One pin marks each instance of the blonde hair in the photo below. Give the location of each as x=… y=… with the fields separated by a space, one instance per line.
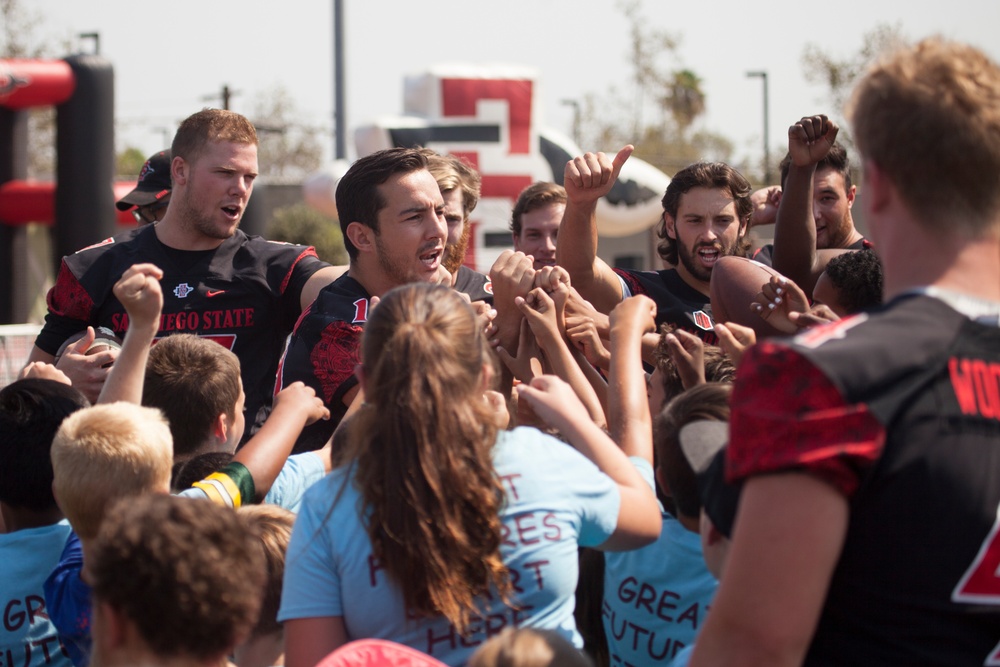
x=929 y=117
x=107 y=452
x=273 y=525
x=422 y=453
x=529 y=647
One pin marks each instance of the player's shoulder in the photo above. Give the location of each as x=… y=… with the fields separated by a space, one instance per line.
x=267 y=248
x=908 y=335
x=122 y=247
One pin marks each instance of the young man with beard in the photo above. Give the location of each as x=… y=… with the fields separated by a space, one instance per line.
x=392 y=216
x=244 y=292
x=706 y=211
x=460 y=187
x=868 y=528
x=813 y=222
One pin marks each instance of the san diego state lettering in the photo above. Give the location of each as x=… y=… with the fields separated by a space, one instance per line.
x=193 y=321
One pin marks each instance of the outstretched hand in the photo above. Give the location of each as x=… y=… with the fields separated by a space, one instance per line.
x=810 y=139
x=590 y=176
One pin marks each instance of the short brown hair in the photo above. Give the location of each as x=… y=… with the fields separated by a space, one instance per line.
x=535 y=196
x=104 y=453
x=451 y=172
x=714 y=176
x=358 y=196
x=718 y=366
x=837 y=159
x=186 y=572
x=192 y=380
x=706 y=401
x=211 y=125
x=929 y=117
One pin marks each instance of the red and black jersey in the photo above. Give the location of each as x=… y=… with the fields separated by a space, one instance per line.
x=245 y=294
x=899 y=409
x=677 y=303
x=323 y=351
x=476 y=285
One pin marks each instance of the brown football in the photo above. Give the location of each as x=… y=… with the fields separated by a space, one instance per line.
x=734 y=286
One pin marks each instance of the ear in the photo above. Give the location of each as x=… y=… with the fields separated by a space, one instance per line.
x=362 y=236
x=110 y=625
x=220 y=429
x=517 y=242
x=851 y=195
x=878 y=188
x=179 y=170
x=486 y=378
x=669 y=226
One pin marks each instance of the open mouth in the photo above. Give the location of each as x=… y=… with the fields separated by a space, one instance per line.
x=432 y=259
x=232 y=212
x=709 y=256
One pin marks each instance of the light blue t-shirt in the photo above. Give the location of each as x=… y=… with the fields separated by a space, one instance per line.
x=655 y=598
x=299 y=473
x=27 y=637
x=556 y=499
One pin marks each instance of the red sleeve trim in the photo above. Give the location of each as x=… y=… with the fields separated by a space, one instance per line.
x=308 y=252
x=788 y=415
x=68 y=298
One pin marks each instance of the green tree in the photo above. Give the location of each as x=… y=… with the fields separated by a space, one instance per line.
x=304 y=225
x=129 y=162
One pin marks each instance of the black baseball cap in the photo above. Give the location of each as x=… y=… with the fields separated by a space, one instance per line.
x=704 y=445
x=154 y=183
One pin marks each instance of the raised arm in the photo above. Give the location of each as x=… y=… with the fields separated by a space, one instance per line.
x=794 y=255
x=295 y=407
x=630 y=423
x=139 y=292
x=588 y=178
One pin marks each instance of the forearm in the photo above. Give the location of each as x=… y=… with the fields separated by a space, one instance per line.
x=594 y=378
x=564 y=365
x=128 y=374
x=266 y=452
x=794 y=229
x=577 y=253
x=630 y=423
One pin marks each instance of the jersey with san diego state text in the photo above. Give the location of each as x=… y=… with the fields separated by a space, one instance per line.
x=677 y=303
x=245 y=294
x=323 y=351
x=899 y=409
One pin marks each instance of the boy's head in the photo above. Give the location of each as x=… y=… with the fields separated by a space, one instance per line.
x=30 y=412
x=196 y=383
x=851 y=283
x=704 y=446
x=529 y=647
x=705 y=402
x=273 y=526
x=180 y=579
x=665 y=382
x=107 y=452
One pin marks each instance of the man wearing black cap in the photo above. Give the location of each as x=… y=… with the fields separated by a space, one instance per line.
x=151 y=195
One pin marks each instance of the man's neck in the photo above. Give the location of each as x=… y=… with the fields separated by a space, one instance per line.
x=692 y=282
x=174 y=233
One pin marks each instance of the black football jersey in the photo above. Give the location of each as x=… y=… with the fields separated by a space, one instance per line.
x=900 y=410
x=245 y=295
x=323 y=350
x=677 y=303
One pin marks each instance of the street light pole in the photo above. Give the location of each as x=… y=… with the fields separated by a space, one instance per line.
x=339 y=113
x=767 y=140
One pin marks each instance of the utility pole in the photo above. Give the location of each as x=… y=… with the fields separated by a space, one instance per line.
x=226 y=95
x=339 y=113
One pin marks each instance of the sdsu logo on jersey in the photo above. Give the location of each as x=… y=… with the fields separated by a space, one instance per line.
x=182 y=290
